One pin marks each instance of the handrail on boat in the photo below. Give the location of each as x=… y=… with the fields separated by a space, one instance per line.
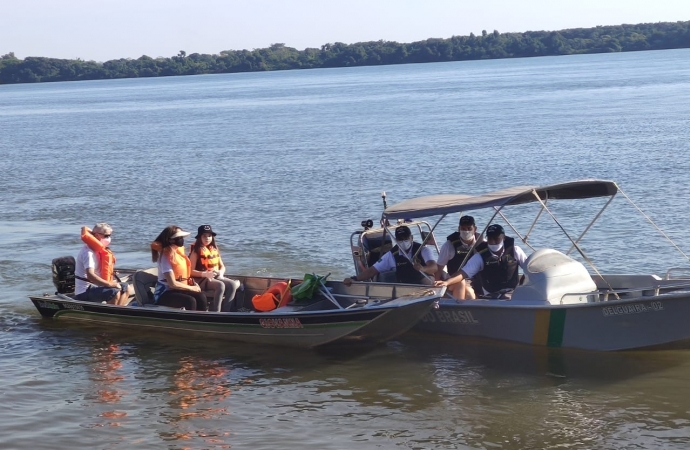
x=685 y=270
x=656 y=288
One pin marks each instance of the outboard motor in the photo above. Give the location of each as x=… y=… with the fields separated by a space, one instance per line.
x=63 y=274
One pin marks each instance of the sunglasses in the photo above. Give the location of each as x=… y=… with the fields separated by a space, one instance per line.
x=107 y=235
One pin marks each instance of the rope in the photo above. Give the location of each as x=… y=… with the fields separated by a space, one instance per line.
x=653 y=224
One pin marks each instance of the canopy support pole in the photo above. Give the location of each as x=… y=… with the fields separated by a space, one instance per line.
x=591 y=223
x=411 y=259
x=541 y=210
x=523 y=239
x=580 y=251
x=654 y=224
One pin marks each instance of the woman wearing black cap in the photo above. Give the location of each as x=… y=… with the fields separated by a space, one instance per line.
x=208 y=270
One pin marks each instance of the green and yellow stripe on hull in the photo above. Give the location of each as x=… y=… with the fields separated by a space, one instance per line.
x=548 y=327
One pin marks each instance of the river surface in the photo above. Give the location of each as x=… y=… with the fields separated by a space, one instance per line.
x=285 y=165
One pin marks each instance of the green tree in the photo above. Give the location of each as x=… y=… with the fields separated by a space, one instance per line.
x=278 y=56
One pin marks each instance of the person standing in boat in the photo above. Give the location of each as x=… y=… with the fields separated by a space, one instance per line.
x=455 y=252
x=400 y=258
x=497 y=259
x=175 y=287
x=208 y=270
x=95 y=269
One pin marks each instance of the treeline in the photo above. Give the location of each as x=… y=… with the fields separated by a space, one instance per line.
x=602 y=39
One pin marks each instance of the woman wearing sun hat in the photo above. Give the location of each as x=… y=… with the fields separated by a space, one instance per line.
x=175 y=287
x=208 y=270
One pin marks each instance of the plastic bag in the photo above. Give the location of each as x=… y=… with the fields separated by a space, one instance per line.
x=305 y=290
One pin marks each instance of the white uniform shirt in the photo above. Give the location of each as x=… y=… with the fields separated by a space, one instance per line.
x=448 y=250
x=85 y=260
x=387 y=262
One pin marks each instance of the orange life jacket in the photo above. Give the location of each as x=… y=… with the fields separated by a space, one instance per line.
x=181 y=265
x=208 y=258
x=106 y=258
x=274 y=297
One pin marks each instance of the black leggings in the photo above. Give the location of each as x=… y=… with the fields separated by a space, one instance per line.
x=191 y=301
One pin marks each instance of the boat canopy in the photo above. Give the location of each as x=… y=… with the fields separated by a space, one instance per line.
x=435 y=205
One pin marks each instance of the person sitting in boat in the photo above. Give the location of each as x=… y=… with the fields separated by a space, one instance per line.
x=175 y=287
x=94 y=269
x=497 y=259
x=457 y=250
x=208 y=270
x=400 y=258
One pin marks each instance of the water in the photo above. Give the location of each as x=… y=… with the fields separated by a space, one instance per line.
x=285 y=165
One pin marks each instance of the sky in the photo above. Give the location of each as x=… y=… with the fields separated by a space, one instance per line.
x=101 y=30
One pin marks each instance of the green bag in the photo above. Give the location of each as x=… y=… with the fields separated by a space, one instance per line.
x=305 y=290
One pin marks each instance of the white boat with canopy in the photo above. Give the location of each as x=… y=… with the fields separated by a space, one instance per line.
x=559 y=303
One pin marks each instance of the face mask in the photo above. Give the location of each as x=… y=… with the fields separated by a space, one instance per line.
x=178 y=241
x=405 y=245
x=467 y=235
x=105 y=241
x=495 y=248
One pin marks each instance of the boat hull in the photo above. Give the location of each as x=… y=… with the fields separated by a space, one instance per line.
x=656 y=321
x=310 y=329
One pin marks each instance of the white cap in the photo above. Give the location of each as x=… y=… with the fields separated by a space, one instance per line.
x=180 y=233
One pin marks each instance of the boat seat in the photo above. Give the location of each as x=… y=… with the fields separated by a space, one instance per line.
x=387 y=277
x=375 y=246
x=144 y=282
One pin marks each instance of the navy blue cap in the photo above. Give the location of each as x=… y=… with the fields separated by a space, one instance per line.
x=402 y=232
x=495 y=230
x=466 y=220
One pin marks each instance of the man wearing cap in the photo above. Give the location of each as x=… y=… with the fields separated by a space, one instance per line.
x=411 y=265
x=497 y=259
x=94 y=276
x=455 y=252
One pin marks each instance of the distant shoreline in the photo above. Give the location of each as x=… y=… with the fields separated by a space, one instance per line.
x=494 y=45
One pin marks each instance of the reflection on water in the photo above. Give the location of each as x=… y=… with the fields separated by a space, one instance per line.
x=199 y=390
x=138 y=389
x=555 y=364
x=516 y=396
x=106 y=378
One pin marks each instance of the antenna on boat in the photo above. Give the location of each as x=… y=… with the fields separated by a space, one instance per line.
x=384 y=222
